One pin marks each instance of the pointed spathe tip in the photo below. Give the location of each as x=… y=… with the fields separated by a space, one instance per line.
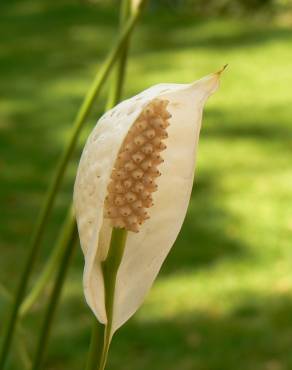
x=210 y=83
x=221 y=70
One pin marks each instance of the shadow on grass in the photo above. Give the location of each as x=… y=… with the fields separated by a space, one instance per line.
x=255 y=335
x=273 y=128
x=238 y=39
x=188 y=31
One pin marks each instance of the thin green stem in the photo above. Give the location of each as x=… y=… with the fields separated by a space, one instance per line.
x=82 y=114
x=96 y=345
x=42 y=281
x=23 y=354
x=70 y=236
x=48 y=271
x=110 y=269
x=119 y=73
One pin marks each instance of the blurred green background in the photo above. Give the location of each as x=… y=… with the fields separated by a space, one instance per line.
x=223 y=298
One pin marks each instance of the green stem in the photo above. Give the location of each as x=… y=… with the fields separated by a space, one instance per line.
x=95 y=350
x=119 y=72
x=23 y=354
x=93 y=91
x=70 y=236
x=110 y=269
x=48 y=271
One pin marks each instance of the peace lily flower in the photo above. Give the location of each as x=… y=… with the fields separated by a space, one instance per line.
x=136 y=173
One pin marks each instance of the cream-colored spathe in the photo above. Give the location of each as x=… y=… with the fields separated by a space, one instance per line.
x=145 y=251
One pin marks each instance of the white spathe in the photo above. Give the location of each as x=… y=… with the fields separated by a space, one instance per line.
x=145 y=251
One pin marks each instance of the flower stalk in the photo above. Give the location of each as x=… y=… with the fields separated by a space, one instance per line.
x=96 y=345
x=23 y=355
x=46 y=274
x=110 y=269
x=119 y=73
x=70 y=237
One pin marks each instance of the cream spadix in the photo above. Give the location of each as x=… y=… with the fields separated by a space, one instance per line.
x=136 y=172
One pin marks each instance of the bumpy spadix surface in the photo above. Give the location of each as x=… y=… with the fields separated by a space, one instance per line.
x=133 y=179
x=114 y=173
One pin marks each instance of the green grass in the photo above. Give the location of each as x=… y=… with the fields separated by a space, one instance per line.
x=223 y=298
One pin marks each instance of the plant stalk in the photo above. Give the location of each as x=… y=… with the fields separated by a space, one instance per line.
x=82 y=114
x=23 y=354
x=48 y=270
x=96 y=345
x=70 y=237
x=119 y=73
x=110 y=270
